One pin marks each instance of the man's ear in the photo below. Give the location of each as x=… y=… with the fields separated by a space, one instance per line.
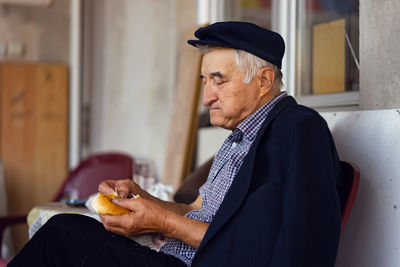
x=266 y=80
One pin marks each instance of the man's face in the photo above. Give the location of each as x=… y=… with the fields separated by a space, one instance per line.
x=230 y=100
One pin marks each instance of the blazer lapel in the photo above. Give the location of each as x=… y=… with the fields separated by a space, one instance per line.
x=240 y=184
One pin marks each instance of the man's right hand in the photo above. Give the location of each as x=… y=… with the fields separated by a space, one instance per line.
x=124 y=188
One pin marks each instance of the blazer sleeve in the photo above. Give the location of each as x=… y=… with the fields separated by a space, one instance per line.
x=309 y=232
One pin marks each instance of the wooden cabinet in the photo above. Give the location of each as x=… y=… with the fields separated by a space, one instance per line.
x=33 y=133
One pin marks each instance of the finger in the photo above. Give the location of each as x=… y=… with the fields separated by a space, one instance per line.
x=131 y=203
x=121 y=231
x=118 y=224
x=113 y=220
x=123 y=187
x=107 y=187
x=117 y=230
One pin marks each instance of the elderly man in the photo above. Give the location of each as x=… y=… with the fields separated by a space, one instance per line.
x=272 y=195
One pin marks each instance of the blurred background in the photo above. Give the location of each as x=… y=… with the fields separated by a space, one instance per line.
x=81 y=77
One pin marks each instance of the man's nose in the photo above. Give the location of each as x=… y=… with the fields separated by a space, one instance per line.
x=209 y=96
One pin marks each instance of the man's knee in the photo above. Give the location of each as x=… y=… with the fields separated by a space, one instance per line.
x=70 y=220
x=71 y=223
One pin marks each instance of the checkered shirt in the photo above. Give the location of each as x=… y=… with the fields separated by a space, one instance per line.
x=225 y=166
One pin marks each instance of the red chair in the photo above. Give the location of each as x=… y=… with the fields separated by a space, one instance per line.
x=83 y=182
x=351 y=174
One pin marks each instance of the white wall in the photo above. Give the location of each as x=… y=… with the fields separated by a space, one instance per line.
x=134 y=68
x=371 y=140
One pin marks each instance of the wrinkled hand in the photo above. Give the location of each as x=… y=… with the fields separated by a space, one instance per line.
x=124 y=188
x=146 y=217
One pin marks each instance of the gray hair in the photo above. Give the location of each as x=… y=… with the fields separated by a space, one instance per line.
x=249 y=65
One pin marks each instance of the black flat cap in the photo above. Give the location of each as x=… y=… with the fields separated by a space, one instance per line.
x=249 y=37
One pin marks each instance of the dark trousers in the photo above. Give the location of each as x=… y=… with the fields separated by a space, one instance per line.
x=77 y=240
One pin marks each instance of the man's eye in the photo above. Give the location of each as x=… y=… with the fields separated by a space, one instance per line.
x=219 y=82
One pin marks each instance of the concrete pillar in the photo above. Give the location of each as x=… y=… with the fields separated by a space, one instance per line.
x=379 y=54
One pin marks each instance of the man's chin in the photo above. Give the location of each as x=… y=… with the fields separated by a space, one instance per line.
x=219 y=123
x=215 y=122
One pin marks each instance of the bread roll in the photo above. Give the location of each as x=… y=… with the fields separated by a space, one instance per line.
x=103 y=204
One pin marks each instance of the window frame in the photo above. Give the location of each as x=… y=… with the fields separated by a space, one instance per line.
x=286 y=21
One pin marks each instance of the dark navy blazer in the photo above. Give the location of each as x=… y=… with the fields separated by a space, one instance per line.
x=284 y=206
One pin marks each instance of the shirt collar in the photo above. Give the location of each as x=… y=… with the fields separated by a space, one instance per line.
x=249 y=127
